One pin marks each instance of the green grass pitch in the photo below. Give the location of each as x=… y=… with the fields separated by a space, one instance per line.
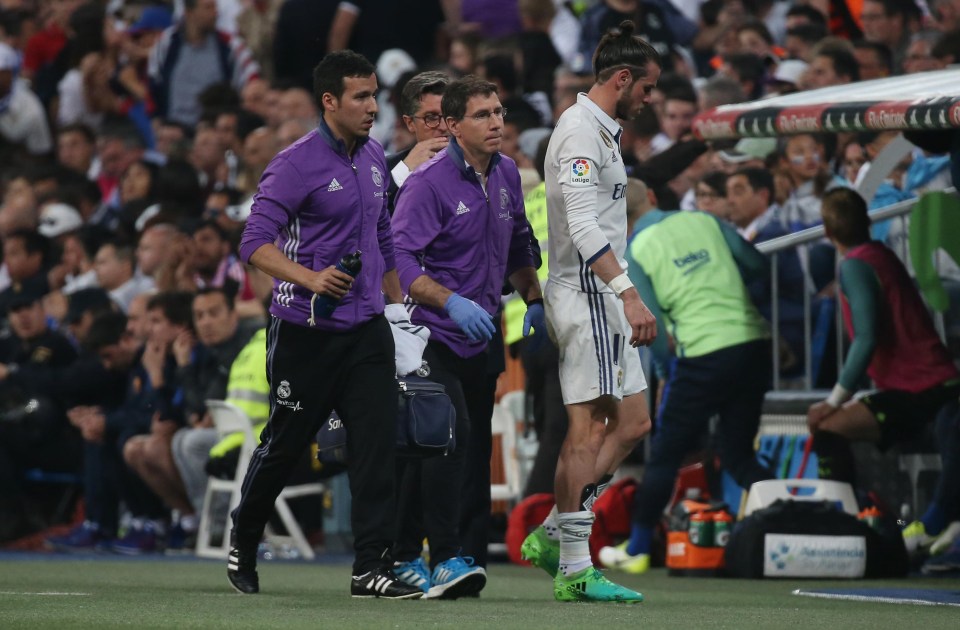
x=95 y=593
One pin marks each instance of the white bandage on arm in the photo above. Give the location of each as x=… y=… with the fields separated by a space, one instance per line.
x=620 y=284
x=581 y=206
x=838 y=396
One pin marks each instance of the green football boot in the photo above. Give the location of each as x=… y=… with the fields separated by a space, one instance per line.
x=541 y=551
x=589 y=585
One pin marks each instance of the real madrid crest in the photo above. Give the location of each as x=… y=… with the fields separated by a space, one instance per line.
x=504 y=198
x=284 y=390
x=377 y=176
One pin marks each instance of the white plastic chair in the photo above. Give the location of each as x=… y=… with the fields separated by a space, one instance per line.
x=504 y=424
x=227 y=419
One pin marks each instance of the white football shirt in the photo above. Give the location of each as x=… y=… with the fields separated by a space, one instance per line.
x=586 y=195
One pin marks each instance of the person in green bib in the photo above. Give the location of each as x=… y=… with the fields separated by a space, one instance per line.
x=691 y=270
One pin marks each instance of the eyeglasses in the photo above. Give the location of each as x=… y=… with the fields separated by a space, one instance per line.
x=706 y=194
x=430 y=121
x=484 y=116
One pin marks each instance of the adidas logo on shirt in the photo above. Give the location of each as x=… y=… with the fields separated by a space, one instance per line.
x=334 y=186
x=462 y=209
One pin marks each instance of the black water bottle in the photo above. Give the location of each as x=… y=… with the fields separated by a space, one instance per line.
x=350 y=265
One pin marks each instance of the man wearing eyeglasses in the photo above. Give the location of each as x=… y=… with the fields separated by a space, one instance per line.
x=460 y=230
x=594 y=312
x=420 y=109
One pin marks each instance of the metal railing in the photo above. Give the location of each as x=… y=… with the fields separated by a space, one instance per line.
x=805 y=238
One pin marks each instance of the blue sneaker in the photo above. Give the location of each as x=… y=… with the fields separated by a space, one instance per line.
x=456 y=577
x=944 y=564
x=83 y=537
x=138 y=540
x=414 y=573
x=180 y=541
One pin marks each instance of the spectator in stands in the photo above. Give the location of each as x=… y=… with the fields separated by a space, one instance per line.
x=193 y=55
x=202 y=370
x=755 y=38
x=154 y=248
x=651 y=21
x=676 y=118
x=290 y=131
x=874 y=60
x=750 y=194
x=719 y=90
x=259 y=147
x=301 y=39
x=208 y=158
x=296 y=103
x=833 y=63
x=804 y=158
x=34 y=431
x=919 y=55
x=114 y=264
x=24 y=257
x=895 y=343
x=99 y=421
x=711 y=195
x=723 y=357
x=890 y=22
x=22 y=118
x=83 y=307
x=76 y=148
x=802 y=39
x=215 y=266
x=119 y=145
x=172 y=138
x=746 y=69
x=420 y=112
x=154 y=409
x=79 y=250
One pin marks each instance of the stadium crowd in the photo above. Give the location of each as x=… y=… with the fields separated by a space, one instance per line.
x=134 y=133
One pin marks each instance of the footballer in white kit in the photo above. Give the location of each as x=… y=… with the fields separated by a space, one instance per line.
x=586 y=189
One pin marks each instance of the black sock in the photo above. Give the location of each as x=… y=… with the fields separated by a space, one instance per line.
x=834 y=457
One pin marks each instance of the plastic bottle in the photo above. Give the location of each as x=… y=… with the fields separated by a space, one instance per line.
x=722 y=524
x=701 y=529
x=871 y=516
x=350 y=265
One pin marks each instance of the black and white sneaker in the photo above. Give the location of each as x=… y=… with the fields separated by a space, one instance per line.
x=384 y=584
x=242 y=571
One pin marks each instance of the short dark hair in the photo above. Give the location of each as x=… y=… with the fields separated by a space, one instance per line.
x=33 y=241
x=758 y=27
x=883 y=52
x=80 y=128
x=177 y=306
x=845 y=216
x=907 y=8
x=455 y=97
x=844 y=63
x=676 y=87
x=500 y=67
x=620 y=48
x=336 y=66
x=810 y=33
x=210 y=224
x=419 y=85
x=228 y=291
x=758 y=178
x=808 y=12
x=106 y=329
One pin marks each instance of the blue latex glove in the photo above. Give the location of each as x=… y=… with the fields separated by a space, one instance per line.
x=535 y=318
x=472 y=320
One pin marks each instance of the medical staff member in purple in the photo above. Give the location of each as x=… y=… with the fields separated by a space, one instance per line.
x=320 y=199
x=459 y=231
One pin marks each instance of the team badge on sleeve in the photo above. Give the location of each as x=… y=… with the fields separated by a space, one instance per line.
x=580 y=171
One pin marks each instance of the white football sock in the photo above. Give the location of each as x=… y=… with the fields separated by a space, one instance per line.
x=575 y=541
x=551 y=526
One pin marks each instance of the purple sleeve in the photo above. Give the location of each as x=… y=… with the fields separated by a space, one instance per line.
x=416 y=223
x=521 y=252
x=385 y=236
x=275 y=205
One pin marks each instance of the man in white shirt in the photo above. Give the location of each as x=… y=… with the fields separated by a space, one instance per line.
x=22 y=119
x=593 y=310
